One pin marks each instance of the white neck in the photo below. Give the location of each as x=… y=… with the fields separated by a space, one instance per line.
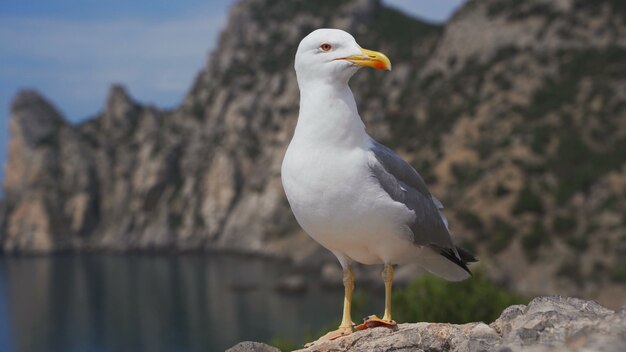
x=328 y=116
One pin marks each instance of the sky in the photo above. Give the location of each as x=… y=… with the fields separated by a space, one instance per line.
x=71 y=51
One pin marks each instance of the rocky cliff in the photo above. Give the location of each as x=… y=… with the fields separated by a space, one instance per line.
x=546 y=324
x=514 y=112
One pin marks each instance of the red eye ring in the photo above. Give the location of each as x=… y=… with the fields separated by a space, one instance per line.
x=326 y=47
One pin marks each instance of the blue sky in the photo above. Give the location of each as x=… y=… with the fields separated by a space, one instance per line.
x=72 y=50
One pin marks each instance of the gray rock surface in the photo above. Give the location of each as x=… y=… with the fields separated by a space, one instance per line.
x=249 y=346
x=545 y=324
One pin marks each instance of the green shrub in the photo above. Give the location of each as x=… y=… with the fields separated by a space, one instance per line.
x=534 y=239
x=285 y=344
x=619 y=273
x=468 y=245
x=563 y=224
x=501 y=235
x=197 y=111
x=578 y=243
x=540 y=138
x=391 y=23
x=465 y=173
x=433 y=299
x=175 y=220
x=551 y=96
x=502 y=190
x=470 y=220
x=571 y=270
x=527 y=201
x=578 y=166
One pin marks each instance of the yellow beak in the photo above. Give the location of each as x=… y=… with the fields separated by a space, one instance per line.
x=371 y=58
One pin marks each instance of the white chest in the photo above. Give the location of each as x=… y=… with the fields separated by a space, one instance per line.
x=330 y=193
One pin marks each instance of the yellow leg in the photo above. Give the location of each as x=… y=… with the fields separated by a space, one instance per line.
x=348 y=284
x=388 y=279
x=374 y=321
x=345 y=328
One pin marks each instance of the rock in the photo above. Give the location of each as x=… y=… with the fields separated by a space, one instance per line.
x=248 y=346
x=545 y=324
x=561 y=323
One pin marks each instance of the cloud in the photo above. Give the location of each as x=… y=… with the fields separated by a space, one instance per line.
x=70 y=59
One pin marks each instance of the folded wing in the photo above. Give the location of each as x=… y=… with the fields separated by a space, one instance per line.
x=405 y=185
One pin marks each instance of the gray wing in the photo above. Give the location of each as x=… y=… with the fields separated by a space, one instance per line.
x=405 y=185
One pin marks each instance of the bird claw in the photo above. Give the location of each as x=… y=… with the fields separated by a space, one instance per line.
x=373 y=321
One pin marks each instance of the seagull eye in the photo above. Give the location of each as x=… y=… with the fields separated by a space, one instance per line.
x=326 y=47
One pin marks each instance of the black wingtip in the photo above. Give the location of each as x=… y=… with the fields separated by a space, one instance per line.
x=465 y=257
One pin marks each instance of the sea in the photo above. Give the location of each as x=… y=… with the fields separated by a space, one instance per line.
x=155 y=302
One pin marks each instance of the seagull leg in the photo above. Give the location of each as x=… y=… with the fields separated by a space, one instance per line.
x=388 y=278
x=374 y=321
x=348 y=284
x=345 y=328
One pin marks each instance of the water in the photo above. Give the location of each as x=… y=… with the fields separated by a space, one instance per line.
x=193 y=302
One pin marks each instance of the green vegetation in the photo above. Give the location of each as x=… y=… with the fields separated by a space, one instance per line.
x=573 y=157
x=578 y=242
x=501 y=234
x=575 y=163
x=502 y=81
x=612 y=202
x=433 y=299
x=534 y=240
x=531 y=168
x=563 y=225
x=617 y=6
x=50 y=140
x=578 y=166
x=527 y=201
x=485 y=147
x=502 y=190
x=517 y=10
x=175 y=220
x=276 y=10
x=499 y=7
x=286 y=344
x=391 y=23
x=441 y=114
x=575 y=65
x=234 y=72
x=197 y=111
x=619 y=273
x=571 y=270
x=470 y=220
x=540 y=138
x=465 y=173
x=551 y=96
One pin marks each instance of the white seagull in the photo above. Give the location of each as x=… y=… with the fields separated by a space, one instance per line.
x=351 y=194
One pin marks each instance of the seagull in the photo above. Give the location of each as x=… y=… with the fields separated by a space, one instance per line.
x=350 y=193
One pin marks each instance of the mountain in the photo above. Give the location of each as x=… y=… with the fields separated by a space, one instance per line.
x=513 y=111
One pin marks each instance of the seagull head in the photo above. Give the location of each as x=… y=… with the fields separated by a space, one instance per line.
x=333 y=56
